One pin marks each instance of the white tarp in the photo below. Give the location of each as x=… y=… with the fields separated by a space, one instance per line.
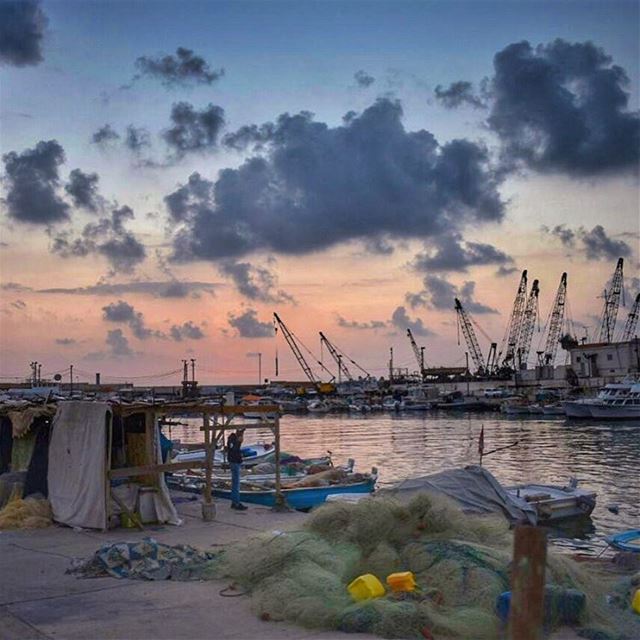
x=77 y=464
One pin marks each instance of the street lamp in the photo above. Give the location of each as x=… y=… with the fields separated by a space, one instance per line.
x=259 y=356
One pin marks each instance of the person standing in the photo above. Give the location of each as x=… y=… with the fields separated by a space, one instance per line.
x=234 y=457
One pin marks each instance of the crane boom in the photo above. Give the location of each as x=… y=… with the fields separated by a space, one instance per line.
x=291 y=341
x=417 y=352
x=528 y=325
x=554 y=324
x=342 y=367
x=632 y=321
x=515 y=323
x=470 y=336
x=611 y=304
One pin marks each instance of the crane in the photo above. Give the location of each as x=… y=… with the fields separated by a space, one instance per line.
x=464 y=321
x=611 y=304
x=342 y=367
x=514 y=327
x=554 y=324
x=529 y=318
x=418 y=352
x=632 y=321
x=291 y=341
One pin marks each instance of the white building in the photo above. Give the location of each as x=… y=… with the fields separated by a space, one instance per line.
x=606 y=360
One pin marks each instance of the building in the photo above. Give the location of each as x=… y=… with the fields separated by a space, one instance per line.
x=606 y=360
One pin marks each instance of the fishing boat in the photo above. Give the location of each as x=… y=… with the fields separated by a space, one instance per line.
x=318 y=406
x=553 y=502
x=626 y=540
x=251 y=454
x=261 y=415
x=582 y=407
x=620 y=407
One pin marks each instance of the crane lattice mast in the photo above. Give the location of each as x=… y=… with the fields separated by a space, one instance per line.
x=611 y=304
x=417 y=352
x=342 y=367
x=515 y=323
x=632 y=321
x=529 y=318
x=470 y=336
x=554 y=324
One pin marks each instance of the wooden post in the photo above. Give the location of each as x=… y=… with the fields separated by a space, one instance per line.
x=527 y=583
x=208 y=508
x=280 y=504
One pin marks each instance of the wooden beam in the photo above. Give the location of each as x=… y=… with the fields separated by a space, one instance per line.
x=156 y=468
x=526 y=611
x=209 y=459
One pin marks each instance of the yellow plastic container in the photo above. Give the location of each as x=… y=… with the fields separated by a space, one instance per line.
x=403 y=581
x=365 y=587
x=635 y=603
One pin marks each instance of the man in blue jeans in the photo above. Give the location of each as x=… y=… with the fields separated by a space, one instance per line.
x=234 y=457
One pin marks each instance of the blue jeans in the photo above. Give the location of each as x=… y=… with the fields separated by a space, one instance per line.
x=235 y=482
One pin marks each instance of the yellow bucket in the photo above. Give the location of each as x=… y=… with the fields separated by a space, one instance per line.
x=366 y=587
x=403 y=581
x=635 y=603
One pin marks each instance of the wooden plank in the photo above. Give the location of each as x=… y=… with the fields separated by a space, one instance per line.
x=156 y=468
x=527 y=583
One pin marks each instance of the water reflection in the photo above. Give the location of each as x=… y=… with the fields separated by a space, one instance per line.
x=604 y=457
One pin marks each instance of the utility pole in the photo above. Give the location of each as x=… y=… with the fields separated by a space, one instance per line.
x=193 y=369
x=391 y=364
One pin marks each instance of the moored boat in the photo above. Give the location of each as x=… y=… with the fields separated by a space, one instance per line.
x=626 y=540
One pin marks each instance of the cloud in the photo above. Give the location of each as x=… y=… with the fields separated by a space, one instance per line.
x=118 y=344
x=452 y=255
x=32 y=180
x=186 y=331
x=596 y=244
x=458 y=94
x=562 y=107
x=180 y=69
x=439 y=293
x=503 y=272
x=248 y=326
x=66 y=342
x=400 y=320
x=14 y=286
x=353 y=324
x=136 y=138
x=107 y=237
x=123 y=312
x=363 y=79
x=250 y=135
x=83 y=189
x=22 y=27
x=193 y=130
x=104 y=136
x=169 y=289
x=384 y=181
x=255 y=283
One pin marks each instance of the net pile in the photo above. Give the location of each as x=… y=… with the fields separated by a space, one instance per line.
x=461 y=564
x=33 y=512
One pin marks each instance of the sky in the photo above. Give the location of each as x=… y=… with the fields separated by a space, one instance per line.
x=174 y=172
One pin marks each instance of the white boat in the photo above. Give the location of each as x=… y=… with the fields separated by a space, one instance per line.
x=553 y=502
x=257 y=415
x=582 y=408
x=318 y=406
x=251 y=454
x=391 y=404
x=619 y=407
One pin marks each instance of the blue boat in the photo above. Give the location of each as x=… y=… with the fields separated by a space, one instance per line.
x=303 y=498
x=626 y=540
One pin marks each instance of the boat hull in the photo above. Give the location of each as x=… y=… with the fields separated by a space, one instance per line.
x=554 y=503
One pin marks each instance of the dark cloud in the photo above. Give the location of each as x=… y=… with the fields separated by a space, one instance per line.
x=32 y=181
x=83 y=189
x=183 y=68
x=503 y=272
x=439 y=293
x=186 y=331
x=107 y=237
x=400 y=320
x=123 y=312
x=66 y=342
x=170 y=289
x=255 y=283
x=596 y=244
x=363 y=79
x=22 y=27
x=105 y=135
x=317 y=186
x=193 y=130
x=458 y=94
x=14 y=286
x=137 y=138
x=380 y=246
x=354 y=324
x=451 y=255
x=562 y=107
x=249 y=136
x=118 y=344
x=248 y=325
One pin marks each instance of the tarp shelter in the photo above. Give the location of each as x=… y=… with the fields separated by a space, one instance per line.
x=89 y=441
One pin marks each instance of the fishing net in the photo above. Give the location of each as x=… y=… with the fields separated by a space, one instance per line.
x=33 y=512
x=461 y=564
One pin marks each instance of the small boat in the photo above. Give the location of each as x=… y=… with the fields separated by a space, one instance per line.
x=318 y=406
x=251 y=454
x=626 y=540
x=553 y=502
x=555 y=409
x=257 y=415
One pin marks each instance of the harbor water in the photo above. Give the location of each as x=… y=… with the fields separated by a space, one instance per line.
x=604 y=457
